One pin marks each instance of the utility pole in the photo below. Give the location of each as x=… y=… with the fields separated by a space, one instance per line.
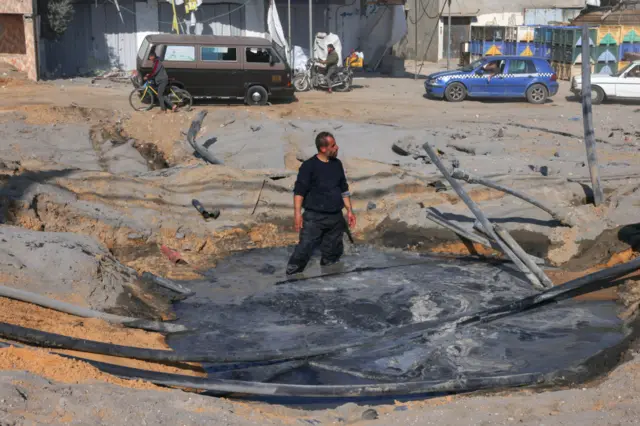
x=290 y=52
x=415 y=21
x=449 y=38
x=310 y=29
x=587 y=118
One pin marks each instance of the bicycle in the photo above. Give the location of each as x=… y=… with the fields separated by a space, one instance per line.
x=144 y=97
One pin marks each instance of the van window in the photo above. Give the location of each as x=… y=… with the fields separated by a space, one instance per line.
x=143 y=49
x=211 y=53
x=261 y=55
x=180 y=53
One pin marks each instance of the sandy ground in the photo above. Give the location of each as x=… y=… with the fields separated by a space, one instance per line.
x=81 y=173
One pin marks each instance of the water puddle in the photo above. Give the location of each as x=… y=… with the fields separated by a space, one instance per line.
x=247 y=305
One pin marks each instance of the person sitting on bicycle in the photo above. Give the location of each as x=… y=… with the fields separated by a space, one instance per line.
x=332 y=64
x=159 y=74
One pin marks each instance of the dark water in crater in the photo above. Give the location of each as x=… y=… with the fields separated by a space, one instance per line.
x=241 y=309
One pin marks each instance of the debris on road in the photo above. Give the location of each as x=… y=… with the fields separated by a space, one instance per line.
x=173 y=255
x=205 y=214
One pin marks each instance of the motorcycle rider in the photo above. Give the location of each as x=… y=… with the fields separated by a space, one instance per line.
x=332 y=65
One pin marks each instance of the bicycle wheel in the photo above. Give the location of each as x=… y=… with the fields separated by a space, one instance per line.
x=141 y=100
x=182 y=98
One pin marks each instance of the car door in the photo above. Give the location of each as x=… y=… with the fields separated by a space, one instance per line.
x=628 y=84
x=520 y=74
x=496 y=85
x=220 y=71
x=262 y=66
x=478 y=82
x=180 y=63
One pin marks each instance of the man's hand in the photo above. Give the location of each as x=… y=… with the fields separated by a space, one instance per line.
x=297 y=221
x=351 y=219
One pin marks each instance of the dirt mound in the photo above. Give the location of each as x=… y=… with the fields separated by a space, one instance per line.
x=60 y=369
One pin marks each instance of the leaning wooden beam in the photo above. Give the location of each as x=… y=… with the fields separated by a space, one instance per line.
x=469 y=178
x=471 y=236
x=481 y=217
x=458 y=230
x=526 y=259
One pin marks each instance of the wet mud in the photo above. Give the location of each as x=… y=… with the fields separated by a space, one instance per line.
x=246 y=304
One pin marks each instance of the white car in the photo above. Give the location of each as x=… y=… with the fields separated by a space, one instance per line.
x=624 y=84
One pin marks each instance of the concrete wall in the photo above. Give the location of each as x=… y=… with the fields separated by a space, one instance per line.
x=23 y=7
x=17 y=36
x=428 y=31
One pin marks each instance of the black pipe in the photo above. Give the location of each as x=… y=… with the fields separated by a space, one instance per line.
x=461 y=384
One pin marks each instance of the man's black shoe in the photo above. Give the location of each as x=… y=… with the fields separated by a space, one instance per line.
x=324 y=262
x=294 y=269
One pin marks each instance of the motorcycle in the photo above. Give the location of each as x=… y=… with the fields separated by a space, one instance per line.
x=313 y=78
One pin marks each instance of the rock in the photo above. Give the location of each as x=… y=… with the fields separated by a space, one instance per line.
x=370 y=414
x=255 y=128
x=371 y=205
x=179 y=236
x=500 y=133
x=135 y=236
x=406 y=147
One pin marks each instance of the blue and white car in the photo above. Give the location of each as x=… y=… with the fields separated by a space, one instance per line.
x=496 y=77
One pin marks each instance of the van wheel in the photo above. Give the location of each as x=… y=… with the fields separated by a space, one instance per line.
x=257 y=95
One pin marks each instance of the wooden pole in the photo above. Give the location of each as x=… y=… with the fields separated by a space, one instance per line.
x=488 y=227
x=415 y=17
x=587 y=118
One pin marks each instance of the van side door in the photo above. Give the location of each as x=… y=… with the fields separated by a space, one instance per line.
x=180 y=62
x=262 y=66
x=220 y=71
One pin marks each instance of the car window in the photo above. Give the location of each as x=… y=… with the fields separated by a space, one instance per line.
x=521 y=66
x=260 y=55
x=217 y=53
x=494 y=67
x=180 y=53
x=634 y=72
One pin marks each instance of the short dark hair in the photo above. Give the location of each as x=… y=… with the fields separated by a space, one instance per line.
x=153 y=53
x=322 y=139
x=331 y=46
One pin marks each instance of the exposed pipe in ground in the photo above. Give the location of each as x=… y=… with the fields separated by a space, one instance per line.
x=471 y=236
x=45 y=302
x=166 y=283
x=196 y=124
x=469 y=178
x=480 y=216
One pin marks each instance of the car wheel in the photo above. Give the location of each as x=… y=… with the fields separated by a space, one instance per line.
x=597 y=95
x=537 y=94
x=257 y=95
x=455 y=92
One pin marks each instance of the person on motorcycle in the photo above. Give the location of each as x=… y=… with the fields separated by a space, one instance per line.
x=159 y=74
x=332 y=65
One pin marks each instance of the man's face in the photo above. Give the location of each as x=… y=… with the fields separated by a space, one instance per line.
x=152 y=57
x=330 y=49
x=331 y=150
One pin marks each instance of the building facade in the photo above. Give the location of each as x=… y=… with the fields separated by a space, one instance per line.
x=428 y=20
x=18 y=36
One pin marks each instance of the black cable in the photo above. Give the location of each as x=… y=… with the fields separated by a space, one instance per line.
x=433 y=33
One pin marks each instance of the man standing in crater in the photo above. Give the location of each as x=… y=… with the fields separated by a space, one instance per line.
x=323 y=191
